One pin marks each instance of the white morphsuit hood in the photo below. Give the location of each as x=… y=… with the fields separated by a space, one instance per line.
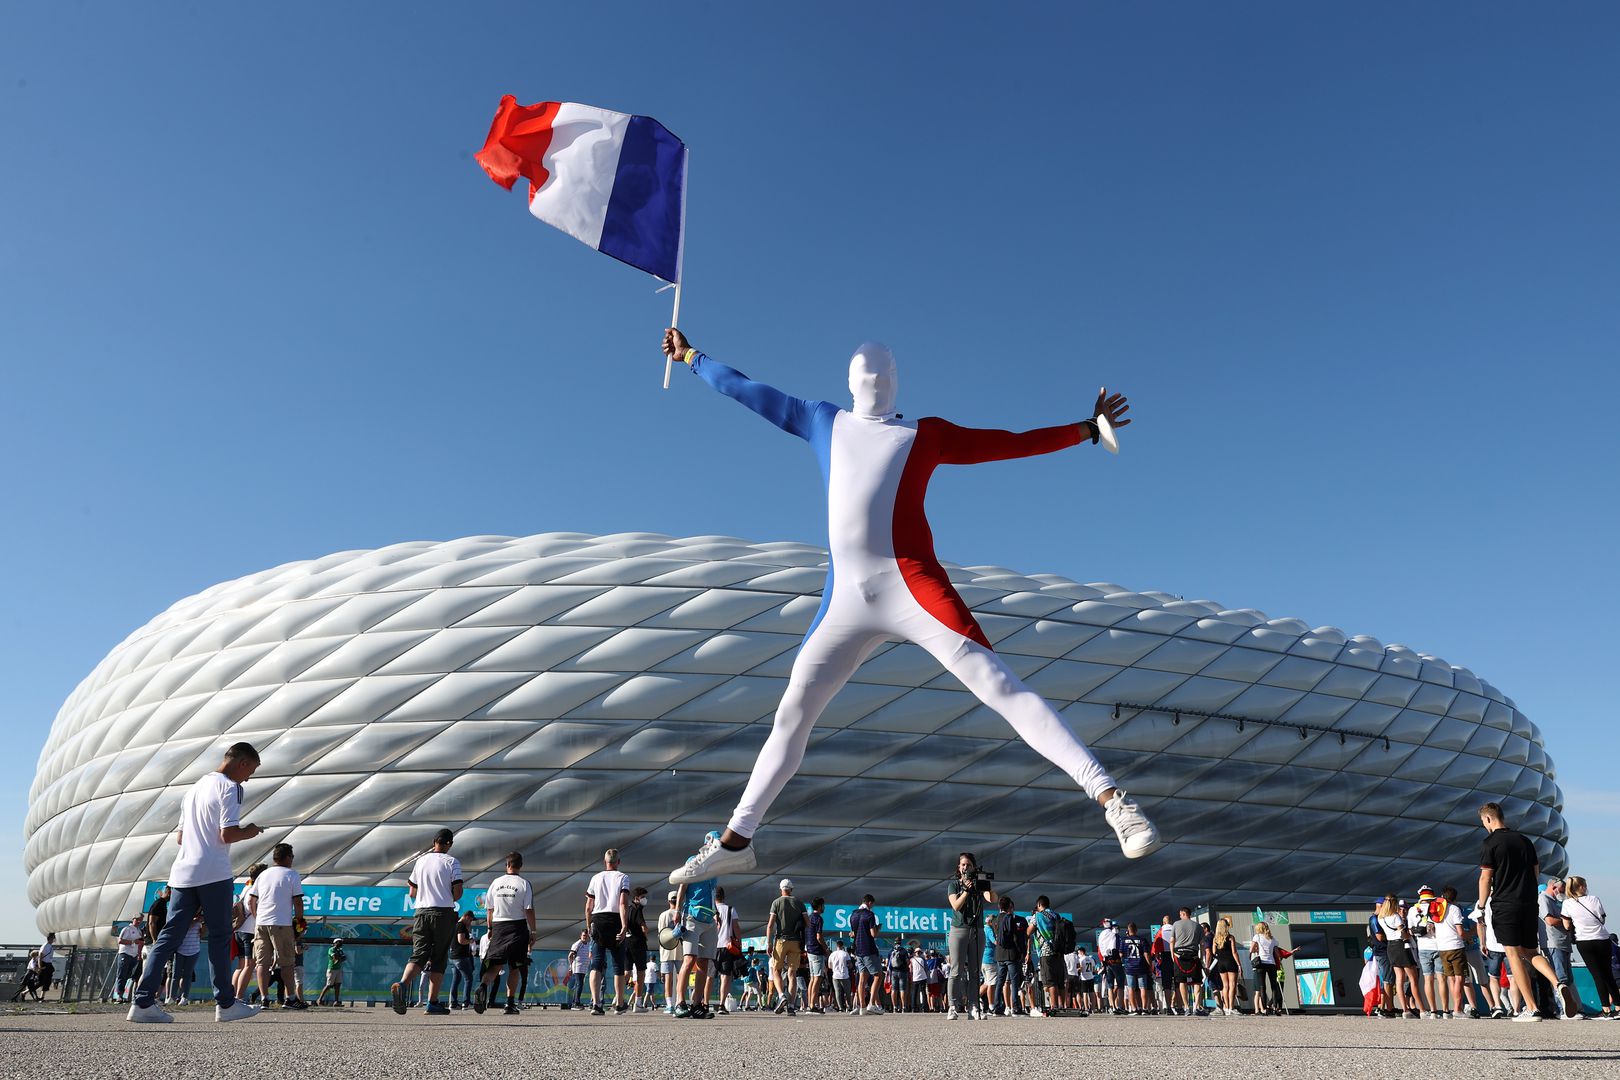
x=873 y=382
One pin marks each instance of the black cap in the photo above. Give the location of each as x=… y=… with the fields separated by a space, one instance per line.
x=444 y=836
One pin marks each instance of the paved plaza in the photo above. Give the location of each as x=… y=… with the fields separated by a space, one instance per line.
x=362 y=1042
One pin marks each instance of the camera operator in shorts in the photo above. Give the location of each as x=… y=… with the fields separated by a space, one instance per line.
x=968 y=894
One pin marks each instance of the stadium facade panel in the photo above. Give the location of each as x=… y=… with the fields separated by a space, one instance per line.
x=563 y=693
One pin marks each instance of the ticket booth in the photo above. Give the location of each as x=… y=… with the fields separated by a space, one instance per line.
x=1324 y=972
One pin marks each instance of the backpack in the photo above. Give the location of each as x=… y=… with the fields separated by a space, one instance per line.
x=1063 y=942
x=1020 y=935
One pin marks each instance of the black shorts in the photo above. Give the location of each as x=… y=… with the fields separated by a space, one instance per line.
x=508 y=943
x=635 y=953
x=1188 y=968
x=1053 y=973
x=432 y=932
x=1514 y=924
x=1399 y=955
x=728 y=963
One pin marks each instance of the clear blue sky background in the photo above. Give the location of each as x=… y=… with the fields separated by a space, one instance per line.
x=1355 y=265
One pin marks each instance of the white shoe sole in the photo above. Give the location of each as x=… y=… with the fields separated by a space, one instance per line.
x=721 y=863
x=153 y=1015
x=1141 y=850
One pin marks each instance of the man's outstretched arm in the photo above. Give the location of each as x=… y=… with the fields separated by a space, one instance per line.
x=969 y=446
x=787 y=412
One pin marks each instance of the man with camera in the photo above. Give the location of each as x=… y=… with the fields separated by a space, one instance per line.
x=968 y=893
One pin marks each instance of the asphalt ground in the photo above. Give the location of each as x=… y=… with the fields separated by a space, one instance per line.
x=96 y=1042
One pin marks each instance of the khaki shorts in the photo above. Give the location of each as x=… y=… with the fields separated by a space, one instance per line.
x=274 y=946
x=1453 y=962
x=786 y=955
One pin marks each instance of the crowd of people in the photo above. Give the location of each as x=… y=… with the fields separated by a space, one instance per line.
x=1510 y=955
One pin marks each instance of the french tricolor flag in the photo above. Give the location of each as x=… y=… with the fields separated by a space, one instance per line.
x=611 y=180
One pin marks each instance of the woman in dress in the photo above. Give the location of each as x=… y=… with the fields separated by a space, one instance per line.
x=1224 y=953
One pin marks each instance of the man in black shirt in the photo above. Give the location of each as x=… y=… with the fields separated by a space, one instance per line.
x=1507 y=880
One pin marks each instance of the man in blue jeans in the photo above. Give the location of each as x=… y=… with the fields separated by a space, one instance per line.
x=210 y=822
x=1009 y=958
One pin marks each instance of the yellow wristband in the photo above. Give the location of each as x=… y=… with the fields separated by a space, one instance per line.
x=687 y=359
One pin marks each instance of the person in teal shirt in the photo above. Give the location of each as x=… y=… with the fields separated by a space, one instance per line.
x=699 y=936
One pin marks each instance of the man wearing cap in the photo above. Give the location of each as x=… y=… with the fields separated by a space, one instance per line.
x=335 y=959
x=435 y=886
x=669 y=959
x=1420 y=924
x=699 y=934
x=784 y=933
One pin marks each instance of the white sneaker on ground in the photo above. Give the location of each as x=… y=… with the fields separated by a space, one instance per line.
x=1528 y=1016
x=151 y=1014
x=874 y=1010
x=1575 y=1016
x=1035 y=1010
x=952 y=1015
x=711 y=861
x=1137 y=836
x=975 y=1013
x=239 y=1010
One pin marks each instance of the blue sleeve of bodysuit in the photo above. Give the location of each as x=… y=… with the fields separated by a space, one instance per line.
x=791 y=414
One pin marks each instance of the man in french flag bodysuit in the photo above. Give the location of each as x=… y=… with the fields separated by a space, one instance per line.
x=884 y=582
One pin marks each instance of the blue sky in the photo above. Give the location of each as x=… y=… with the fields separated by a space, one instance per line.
x=1354 y=264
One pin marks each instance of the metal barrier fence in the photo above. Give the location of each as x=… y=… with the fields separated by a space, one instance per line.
x=88 y=975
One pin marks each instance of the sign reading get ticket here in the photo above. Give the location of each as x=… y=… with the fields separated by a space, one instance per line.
x=361 y=902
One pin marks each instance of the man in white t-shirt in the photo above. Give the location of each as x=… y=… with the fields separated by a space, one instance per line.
x=510 y=903
x=1420 y=924
x=47 y=963
x=275 y=899
x=1446 y=918
x=579 y=969
x=838 y=966
x=435 y=886
x=210 y=822
x=131 y=946
x=607 y=917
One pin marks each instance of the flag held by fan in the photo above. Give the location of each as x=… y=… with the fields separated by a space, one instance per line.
x=612 y=181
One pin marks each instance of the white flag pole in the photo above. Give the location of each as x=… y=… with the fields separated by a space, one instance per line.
x=680 y=266
x=674 y=321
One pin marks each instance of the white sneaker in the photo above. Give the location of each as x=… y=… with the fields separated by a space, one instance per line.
x=874 y=1010
x=1528 y=1016
x=713 y=861
x=860 y=1011
x=239 y=1010
x=1035 y=1010
x=1574 y=1016
x=151 y=1014
x=1137 y=836
x=952 y=1014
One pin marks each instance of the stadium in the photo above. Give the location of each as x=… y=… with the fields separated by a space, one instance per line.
x=563 y=693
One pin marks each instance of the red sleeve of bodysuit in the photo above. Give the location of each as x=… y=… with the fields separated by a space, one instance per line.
x=969 y=446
